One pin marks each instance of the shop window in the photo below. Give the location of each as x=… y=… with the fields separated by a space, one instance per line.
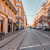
x=0 y=5
x=5 y=9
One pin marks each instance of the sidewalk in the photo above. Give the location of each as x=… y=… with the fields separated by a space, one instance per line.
x=9 y=34
x=9 y=37
x=15 y=43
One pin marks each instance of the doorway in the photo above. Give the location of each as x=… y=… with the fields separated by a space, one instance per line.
x=1 y=27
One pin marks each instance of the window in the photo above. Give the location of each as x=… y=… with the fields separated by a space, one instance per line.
x=17 y=0
x=5 y=9
x=17 y=4
x=18 y=9
x=8 y=12
x=0 y=5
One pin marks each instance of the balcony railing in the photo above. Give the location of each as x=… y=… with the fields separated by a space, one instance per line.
x=20 y=18
x=18 y=5
x=11 y=5
x=18 y=0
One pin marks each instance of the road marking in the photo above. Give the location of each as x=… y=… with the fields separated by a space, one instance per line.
x=46 y=44
x=43 y=34
x=29 y=46
x=34 y=46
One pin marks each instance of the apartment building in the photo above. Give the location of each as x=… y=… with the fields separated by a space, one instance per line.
x=7 y=15
x=20 y=14
x=43 y=16
x=48 y=17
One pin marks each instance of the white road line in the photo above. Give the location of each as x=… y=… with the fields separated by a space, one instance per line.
x=46 y=44
x=29 y=46
x=34 y=46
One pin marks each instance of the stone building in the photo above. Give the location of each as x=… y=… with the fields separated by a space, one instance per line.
x=20 y=14
x=43 y=16
x=7 y=15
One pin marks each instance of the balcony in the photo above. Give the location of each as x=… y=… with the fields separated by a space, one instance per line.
x=40 y=20
x=18 y=1
x=20 y=18
x=18 y=5
x=10 y=4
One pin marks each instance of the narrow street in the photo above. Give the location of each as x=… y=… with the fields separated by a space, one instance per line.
x=29 y=39
x=24 y=24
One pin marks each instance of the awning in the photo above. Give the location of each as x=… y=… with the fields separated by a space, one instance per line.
x=1 y=21
x=49 y=23
x=15 y=24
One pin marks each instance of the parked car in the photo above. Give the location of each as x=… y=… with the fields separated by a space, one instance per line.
x=39 y=27
x=46 y=27
x=33 y=27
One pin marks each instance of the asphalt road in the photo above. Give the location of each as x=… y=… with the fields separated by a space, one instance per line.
x=45 y=32
x=29 y=39
x=35 y=40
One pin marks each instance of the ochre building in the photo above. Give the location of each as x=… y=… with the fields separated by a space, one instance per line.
x=11 y=15
x=7 y=15
x=20 y=14
x=43 y=16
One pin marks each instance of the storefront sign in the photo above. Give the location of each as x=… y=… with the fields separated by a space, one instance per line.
x=17 y=24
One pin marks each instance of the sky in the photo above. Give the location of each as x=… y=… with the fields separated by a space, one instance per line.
x=31 y=8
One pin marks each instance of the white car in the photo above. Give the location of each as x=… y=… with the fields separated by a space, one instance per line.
x=38 y=27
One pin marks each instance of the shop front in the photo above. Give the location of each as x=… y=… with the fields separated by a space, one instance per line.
x=17 y=25
x=14 y=26
x=10 y=22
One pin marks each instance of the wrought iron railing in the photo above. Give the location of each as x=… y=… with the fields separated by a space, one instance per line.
x=11 y=5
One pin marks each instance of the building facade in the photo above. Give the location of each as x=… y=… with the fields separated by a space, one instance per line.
x=20 y=14
x=43 y=17
x=7 y=15
x=11 y=15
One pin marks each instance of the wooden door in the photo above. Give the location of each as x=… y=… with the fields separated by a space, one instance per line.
x=1 y=27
